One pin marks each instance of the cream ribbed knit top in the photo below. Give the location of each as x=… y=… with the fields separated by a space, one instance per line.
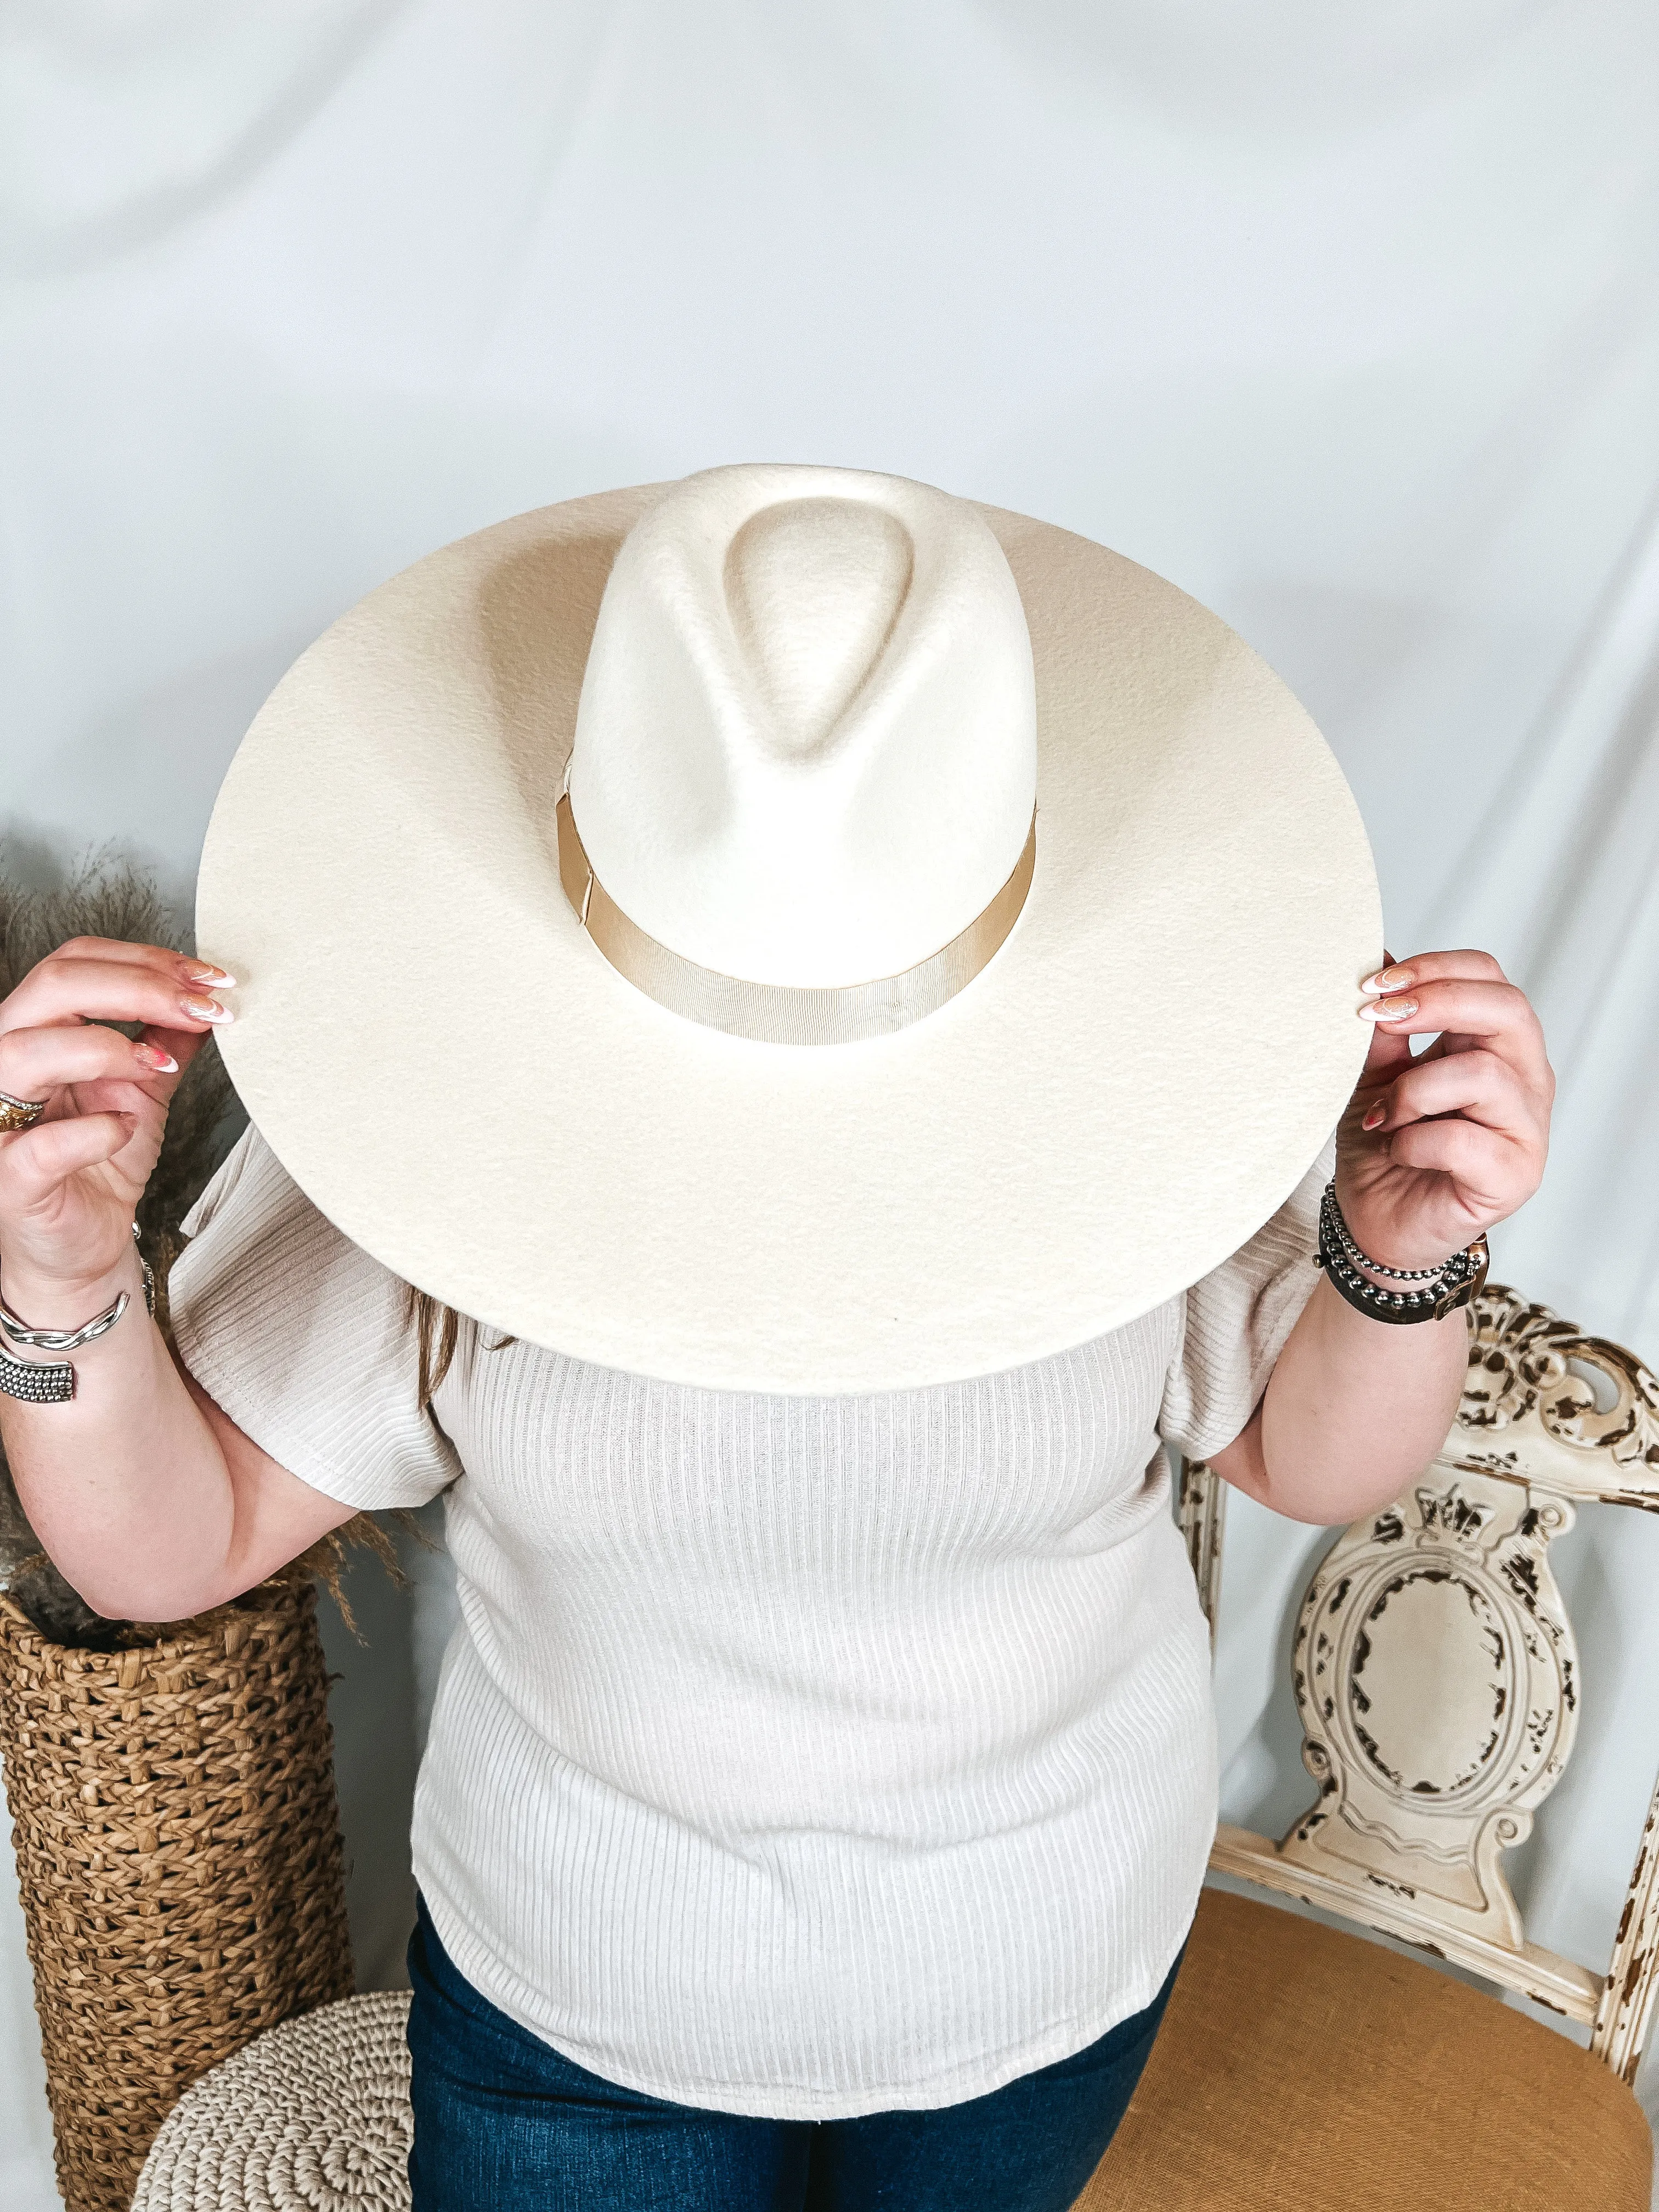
x=801 y=1757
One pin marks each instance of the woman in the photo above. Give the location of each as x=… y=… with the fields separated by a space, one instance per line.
x=815 y=1799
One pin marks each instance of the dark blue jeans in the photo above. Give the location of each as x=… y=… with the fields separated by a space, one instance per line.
x=504 y=2124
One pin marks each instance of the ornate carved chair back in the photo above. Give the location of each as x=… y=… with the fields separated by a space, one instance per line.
x=1436 y=1676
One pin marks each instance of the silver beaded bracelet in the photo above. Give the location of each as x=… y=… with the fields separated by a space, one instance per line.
x=1452 y=1284
x=51 y=1381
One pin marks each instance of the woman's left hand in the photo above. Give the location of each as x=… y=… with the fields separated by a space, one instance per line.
x=1434 y=1149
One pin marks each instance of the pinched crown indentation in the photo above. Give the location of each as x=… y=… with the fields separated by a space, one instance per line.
x=814 y=587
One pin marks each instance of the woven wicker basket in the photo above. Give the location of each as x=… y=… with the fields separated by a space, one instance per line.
x=178 y=1852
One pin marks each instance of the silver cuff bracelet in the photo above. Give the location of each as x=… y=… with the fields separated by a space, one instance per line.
x=51 y=1381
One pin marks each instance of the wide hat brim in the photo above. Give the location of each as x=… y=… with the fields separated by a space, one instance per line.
x=453 y=1073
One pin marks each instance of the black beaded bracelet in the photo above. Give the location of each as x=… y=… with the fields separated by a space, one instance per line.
x=1454 y=1283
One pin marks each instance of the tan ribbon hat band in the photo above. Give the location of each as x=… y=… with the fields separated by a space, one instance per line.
x=782 y=1013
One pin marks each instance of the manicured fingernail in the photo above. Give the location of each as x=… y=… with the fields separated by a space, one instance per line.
x=1376 y=1112
x=153 y=1056
x=206 y=1009
x=1386 y=979
x=1388 y=1010
x=205 y=972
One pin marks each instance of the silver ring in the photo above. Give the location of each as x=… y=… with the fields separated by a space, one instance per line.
x=19 y=1113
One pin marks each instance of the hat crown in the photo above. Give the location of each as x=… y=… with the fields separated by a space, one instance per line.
x=814 y=587
x=805 y=748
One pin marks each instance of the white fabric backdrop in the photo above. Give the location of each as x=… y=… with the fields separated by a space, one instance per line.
x=1345 y=320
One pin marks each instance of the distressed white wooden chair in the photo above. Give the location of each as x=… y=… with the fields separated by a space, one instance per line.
x=1436 y=1678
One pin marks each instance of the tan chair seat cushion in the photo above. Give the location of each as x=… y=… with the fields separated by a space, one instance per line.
x=1298 y=2067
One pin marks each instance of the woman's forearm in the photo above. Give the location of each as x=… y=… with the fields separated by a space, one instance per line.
x=1353 y=1410
x=1434 y=1148
x=125 y=1483
x=149 y=1499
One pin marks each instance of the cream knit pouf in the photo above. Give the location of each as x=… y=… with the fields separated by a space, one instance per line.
x=310 y=2117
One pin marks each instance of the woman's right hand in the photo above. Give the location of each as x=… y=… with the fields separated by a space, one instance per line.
x=70 y=1183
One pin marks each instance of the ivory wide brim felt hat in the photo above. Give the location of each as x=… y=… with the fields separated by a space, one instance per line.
x=974 y=932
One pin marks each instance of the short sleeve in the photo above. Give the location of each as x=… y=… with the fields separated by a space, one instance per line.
x=1235 y=1321
x=303 y=1339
